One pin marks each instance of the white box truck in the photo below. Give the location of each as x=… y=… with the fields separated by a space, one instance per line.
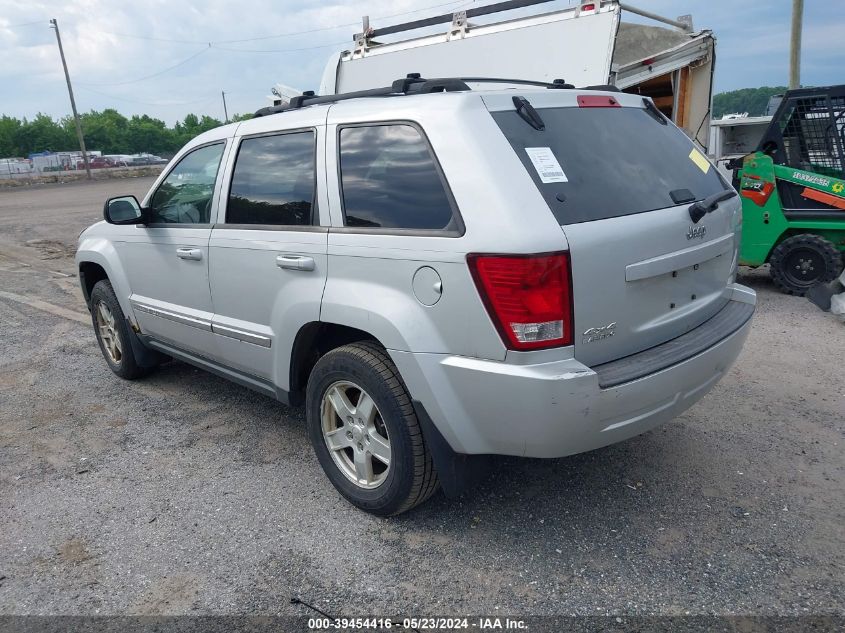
x=587 y=44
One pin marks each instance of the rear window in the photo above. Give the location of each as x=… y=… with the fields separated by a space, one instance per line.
x=615 y=161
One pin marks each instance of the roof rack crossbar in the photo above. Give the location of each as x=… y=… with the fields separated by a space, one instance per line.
x=509 y=5
x=414 y=84
x=555 y=84
x=684 y=23
x=303 y=100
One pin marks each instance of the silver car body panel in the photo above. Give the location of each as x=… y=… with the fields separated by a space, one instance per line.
x=242 y=305
x=556 y=408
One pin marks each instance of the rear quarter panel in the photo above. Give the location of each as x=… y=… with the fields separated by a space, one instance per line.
x=371 y=273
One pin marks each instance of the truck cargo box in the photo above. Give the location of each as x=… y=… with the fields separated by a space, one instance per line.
x=588 y=44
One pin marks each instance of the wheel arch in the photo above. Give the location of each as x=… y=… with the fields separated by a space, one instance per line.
x=313 y=341
x=100 y=262
x=89 y=274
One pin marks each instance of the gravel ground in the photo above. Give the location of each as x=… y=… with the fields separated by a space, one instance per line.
x=184 y=494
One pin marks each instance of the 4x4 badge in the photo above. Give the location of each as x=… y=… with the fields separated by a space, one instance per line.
x=599 y=333
x=696 y=232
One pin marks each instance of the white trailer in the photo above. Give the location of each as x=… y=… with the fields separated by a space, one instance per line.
x=586 y=45
x=732 y=138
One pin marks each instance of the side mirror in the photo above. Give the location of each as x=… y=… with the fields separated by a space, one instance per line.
x=123 y=210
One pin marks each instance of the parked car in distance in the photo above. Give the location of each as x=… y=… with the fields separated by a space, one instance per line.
x=437 y=274
x=146 y=159
x=118 y=160
x=96 y=162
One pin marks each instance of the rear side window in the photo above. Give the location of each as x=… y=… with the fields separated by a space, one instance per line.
x=615 y=161
x=389 y=179
x=274 y=180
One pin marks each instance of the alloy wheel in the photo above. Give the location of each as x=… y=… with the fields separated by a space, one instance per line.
x=108 y=332
x=355 y=434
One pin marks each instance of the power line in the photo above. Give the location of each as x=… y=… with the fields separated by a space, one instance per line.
x=155 y=74
x=14 y=26
x=158 y=104
x=277 y=50
x=337 y=26
x=212 y=44
x=278 y=35
x=207 y=48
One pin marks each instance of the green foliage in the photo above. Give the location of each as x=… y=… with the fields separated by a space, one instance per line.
x=108 y=131
x=751 y=100
x=9 y=130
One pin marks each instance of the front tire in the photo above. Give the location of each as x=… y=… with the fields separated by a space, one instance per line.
x=365 y=432
x=113 y=333
x=803 y=261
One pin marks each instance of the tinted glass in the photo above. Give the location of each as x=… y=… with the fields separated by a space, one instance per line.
x=617 y=161
x=390 y=180
x=185 y=195
x=273 y=181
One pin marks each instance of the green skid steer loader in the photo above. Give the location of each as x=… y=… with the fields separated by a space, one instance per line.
x=793 y=191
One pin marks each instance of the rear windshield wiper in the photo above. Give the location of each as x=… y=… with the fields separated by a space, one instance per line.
x=652 y=110
x=699 y=209
x=528 y=113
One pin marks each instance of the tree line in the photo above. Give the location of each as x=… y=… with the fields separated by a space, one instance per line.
x=751 y=100
x=107 y=131
x=112 y=133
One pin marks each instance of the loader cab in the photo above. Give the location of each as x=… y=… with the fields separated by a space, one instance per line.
x=793 y=191
x=808 y=131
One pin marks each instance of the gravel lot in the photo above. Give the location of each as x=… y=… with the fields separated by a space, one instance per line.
x=184 y=494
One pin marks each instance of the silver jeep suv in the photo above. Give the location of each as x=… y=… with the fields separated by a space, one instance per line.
x=438 y=274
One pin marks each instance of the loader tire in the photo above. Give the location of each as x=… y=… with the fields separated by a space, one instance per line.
x=803 y=261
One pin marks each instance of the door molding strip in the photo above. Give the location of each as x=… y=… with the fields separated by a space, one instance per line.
x=204 y=324
x=241 y=335
x=191 y=321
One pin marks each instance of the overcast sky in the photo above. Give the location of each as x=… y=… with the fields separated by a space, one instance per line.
x=153 y=56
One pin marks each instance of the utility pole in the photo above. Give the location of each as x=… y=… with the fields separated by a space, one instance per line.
x=225 y=111
x=795 y=45
x=72 y=100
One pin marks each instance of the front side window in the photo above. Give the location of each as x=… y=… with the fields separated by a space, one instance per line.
x=274 y=180
x=389 y=179
x=185 y=195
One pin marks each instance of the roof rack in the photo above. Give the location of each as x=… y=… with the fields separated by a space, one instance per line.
x=447 y=17
x=459 y=18
x=414 y=84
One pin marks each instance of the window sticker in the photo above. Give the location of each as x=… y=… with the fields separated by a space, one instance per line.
x=546 y=164
x=700 y=160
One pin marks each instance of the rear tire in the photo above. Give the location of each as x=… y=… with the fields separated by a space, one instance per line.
x=356 y=401
x=112 y=333
x=803 y=261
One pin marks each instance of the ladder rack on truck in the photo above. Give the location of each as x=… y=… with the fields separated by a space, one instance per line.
x=587 y=44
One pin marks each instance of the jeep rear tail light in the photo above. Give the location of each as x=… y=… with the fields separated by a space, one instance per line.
x=528 y=297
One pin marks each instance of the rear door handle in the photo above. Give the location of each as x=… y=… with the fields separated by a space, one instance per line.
x=295 y=262
x=189 y=253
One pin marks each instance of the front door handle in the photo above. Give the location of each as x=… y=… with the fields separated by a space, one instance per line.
x=295 y=262
x=189 y=253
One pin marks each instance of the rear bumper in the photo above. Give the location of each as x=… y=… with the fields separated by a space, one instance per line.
x=559 y=408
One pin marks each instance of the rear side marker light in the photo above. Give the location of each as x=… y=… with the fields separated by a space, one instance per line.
x=529 y=298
